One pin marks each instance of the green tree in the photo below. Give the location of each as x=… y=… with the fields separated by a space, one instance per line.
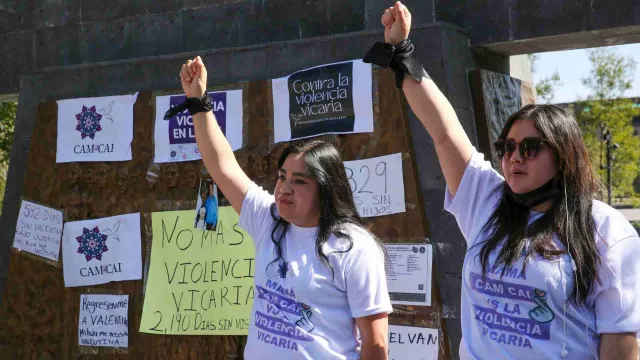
x=611 y=75
x=545 y=87
x=7 y=121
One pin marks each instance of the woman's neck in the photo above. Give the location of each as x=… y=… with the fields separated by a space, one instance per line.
x=306 y=223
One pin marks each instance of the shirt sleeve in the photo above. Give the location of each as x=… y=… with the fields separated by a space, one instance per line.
x=617 y=303
x=255 y=214
x=366 y=280
x=477 y=196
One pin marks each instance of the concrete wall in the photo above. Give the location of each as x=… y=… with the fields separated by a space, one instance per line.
x=512 y=27
x=37 y=34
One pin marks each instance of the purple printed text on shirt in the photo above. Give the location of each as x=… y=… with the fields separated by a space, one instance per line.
x=526 y=327
x=281 y=328
x=499 y=288
x=280 y=302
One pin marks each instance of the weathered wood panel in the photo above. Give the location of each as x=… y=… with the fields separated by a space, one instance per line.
x=39 y=316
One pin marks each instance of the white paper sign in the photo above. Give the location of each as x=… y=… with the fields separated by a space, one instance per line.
x=175 y=139
x=409 y=273
x=327 y=99
x=39 y=230
x=377 y=185
x=103 y=250
x=95 y=129
x=104 y=320
x=413 y=343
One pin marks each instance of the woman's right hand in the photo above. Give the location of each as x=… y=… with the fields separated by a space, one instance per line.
x=193 y=76
x=397 y=23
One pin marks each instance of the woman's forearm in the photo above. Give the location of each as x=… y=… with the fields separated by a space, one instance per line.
x=219 y=159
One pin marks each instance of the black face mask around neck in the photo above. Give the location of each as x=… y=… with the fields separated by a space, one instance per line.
x=535 y=197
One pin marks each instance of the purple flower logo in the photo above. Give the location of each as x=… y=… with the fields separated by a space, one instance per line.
x=92 y=243
x=88 y=122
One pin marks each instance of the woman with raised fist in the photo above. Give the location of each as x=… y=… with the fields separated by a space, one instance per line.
x=549 y=271
x=320 y=281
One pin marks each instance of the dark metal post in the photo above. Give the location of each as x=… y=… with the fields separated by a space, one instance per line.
x=609 y=168
x=607 y=139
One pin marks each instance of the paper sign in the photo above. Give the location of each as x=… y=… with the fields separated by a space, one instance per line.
x=409 y=273
x=39 y=230
x=103 y=250
x=412 y=343
x=200 y=282
x=175 y=139
x=95 y=129
x=334 y=98
x=377 y=185
x=104 y=320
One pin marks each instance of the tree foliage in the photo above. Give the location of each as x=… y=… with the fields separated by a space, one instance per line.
x=611 y=73
x=614 y=115
x=610 y=76
x=7 y=124
x=545 y=87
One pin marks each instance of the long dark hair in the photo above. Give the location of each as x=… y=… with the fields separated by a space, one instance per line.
x=337 y=209
x=510 y=219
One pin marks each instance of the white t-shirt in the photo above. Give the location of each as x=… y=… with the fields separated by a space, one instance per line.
x=522 y=315
x=298 y=311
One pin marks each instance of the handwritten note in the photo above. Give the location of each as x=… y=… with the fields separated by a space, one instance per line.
x=377 y=185
x=200 y=282
x=104 y=320
x=412 y=343
x=39 y=230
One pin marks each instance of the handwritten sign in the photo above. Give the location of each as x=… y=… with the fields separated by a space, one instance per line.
x=377 y=185
x=104 y=320
x=175 y=139
x=39 y=230
x=409 y=273
x=412 y=343
x=102 y=250
x=200 y=282
x=334 y=98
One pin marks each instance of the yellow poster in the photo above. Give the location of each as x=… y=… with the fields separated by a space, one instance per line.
x=200 y=282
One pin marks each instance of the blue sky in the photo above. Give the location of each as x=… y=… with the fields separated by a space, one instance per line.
x=573 y=65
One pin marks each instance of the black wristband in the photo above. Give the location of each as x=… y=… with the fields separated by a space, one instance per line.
x=194 y=105
x=399 y=58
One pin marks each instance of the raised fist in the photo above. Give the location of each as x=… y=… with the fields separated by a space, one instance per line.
x=193 y=76
x=397 y=23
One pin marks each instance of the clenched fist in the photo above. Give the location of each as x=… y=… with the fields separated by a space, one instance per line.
x=193 y=76
x=397 y=23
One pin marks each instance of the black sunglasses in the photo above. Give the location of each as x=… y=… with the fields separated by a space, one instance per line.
x=529 y=147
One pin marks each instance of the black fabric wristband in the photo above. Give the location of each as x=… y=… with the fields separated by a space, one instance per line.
x=399 y=58
x=194 y=105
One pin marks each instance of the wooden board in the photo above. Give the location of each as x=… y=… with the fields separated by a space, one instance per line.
x=39 y=316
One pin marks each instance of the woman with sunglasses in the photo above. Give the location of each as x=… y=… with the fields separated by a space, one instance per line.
x=549 y=272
